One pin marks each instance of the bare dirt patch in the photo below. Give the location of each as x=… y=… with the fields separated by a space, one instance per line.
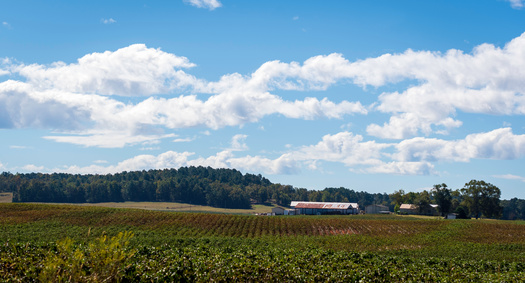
x=6 y=197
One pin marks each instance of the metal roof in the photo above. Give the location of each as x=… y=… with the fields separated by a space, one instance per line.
x=408 y=206
x=324 y=205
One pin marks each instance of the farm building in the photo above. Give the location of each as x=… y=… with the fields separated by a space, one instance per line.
x=414 y=209
x=319 y=208
x=376 y=209
x=408 y=208
x=451 y=216
x=278 y=211
x=282 y=211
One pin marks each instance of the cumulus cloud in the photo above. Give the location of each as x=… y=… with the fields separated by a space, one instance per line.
x=344 y=147
x=499 y=144
x=131 y=71
x=76 y=97
x=490 y=80
x=206 y=4
x=24 y=106
x=415 y=156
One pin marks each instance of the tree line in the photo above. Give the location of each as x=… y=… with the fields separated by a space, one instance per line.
x=475 y=199
x=225 y=188
x=229 y=188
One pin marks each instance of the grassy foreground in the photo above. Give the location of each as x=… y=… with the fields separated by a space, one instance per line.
x=41 y=242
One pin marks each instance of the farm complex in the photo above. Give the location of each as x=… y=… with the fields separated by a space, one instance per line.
x=324 y=208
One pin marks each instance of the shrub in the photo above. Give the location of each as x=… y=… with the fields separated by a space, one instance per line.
x=103 y=260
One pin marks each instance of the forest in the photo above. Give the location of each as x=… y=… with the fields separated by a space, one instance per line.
x=229 y=188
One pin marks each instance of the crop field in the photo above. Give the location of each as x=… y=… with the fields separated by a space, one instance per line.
x=171 y=206
x=6 y=197
x=65 y=242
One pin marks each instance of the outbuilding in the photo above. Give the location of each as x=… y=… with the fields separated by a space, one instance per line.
x=451 y=216
x=376 y=209
x=278 y=211
x=408 y=208
x=320 y=208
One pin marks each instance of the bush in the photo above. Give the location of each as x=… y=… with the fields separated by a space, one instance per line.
x=101 y=261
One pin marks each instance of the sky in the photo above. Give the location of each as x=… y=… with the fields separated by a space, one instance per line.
x=373 y=95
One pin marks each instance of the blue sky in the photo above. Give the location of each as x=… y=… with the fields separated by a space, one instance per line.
x=369 y=95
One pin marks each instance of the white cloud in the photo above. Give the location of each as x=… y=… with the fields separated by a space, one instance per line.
x=69 y=97
x=403 y=168
x=499 y=144
x=6 y=24
x=516 y=4
x=184 y=140
x=131 y=71
x=109 y=140
x=238 y=143
x=284 y=164
x=2 y=167
x=169 y=159
x=18 y=147
x=343 y=147
x=488 y=81
x=510 y=177
x=108 y=21
x=206 y=4
x=416 y=156
x=33 y=168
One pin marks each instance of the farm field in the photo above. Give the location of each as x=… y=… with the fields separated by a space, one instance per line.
x=162 y=206
x=6 y=197
x=178 y=207
x=40 y=241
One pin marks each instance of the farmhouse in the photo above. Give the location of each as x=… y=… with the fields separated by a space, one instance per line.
x=408 y=208
x=376 y=209
x=318 y=208
x=414 y=209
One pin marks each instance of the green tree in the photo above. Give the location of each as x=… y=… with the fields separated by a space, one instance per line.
x=398 y=197
x=442 y=197
x=423 y=202
x=482 y=199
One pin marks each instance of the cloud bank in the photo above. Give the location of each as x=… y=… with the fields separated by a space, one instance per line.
x=410 y=157
x=82 y=103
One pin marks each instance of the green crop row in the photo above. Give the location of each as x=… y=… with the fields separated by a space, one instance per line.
x=204 y=262
x=37 y=241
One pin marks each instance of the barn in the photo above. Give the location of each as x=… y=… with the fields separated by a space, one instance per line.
x=320 y=208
